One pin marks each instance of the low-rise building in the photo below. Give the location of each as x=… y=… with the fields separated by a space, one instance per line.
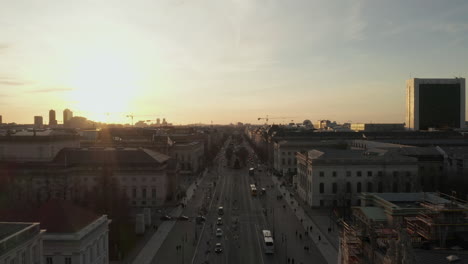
x=189 y=156
x=147 y=177
x=26 y=146
x=379 y=127
x=333 y=177
x=20 y=242
x=73 y=234
x=284 y=153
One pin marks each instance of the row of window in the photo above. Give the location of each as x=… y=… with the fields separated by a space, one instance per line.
x=91 y=253
x=395 y=187
x=24 y=256
x=290 y=161
x=369 y=173
x=144 y=193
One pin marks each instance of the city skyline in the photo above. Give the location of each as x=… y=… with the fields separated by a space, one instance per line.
x=225 y=62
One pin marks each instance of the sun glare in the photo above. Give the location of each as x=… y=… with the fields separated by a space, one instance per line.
x=104 y=86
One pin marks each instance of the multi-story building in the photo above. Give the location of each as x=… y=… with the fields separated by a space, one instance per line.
x=35 y=145
x=38 y=121
x=72 y=234
x=67 y=115
x=189 y=156
x=371 y=127
x=284 y=153
x=52 y=118
x=435 y=103
x=21 y=242
x=147 y=177
x=332 y=177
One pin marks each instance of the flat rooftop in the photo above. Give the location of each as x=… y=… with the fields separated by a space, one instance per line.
x=9 y=228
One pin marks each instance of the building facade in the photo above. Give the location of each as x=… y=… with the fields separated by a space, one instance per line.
x=52 y=118
x=435 y=103
x=67 y=115
x=189 y=156
x=41 y=147
x=21 y=243
x=334 y=178
x=148 y=178
x=371 y=127
x=284 y=153
x=38 y=121
x=89 y=244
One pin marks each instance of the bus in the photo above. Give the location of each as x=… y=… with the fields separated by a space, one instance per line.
x=251 y=171
x=268 y=243
x=253 y=190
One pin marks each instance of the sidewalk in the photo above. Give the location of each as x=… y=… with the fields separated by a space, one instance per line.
x=148 y=252
x=327 y=245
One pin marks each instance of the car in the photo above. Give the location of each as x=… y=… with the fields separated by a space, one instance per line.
x=220 y=210
x=262 y=191
x=218 y=248
x=183 y=218
x=219 y=232
x=166 y=217
x=200 y=219
x=220 y=221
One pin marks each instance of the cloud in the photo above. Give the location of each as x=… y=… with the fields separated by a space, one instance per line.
x=52 y=90
x=10 y=81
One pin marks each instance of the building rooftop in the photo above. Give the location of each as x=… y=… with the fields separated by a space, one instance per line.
x=357 y=155
x=10 y=228
x=55 y=216
x=109 y=156
x=374 y=213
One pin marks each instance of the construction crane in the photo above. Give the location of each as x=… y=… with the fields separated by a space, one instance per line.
x=268 y=118
x=132 y=116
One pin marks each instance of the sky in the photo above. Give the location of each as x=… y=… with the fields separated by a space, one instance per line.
x=224 y=60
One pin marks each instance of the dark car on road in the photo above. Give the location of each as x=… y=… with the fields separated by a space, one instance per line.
x=200 y=219
x=183 y=218
x=166 y=217
x=218 y=248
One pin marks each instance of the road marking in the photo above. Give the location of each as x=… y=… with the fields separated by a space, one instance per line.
x=259 y=245
x=204 y=223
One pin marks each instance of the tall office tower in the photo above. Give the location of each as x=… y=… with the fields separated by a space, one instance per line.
x=1 y=121
x=38 y=121
x=435 y=103
x=158 y=121
x=67 y=115
x=52 y=119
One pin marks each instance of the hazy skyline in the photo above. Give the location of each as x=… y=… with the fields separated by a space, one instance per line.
x=225 y=61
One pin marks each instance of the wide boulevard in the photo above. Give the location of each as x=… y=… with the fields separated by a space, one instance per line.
x=244 y=218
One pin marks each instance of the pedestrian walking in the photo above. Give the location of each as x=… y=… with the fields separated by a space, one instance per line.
x=320 y=238
x=329 y=229
x=292 y=261
x=296 y=232
x=289 y=260
x=300 y=236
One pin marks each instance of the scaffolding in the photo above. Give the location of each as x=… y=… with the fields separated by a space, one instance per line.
x=351 y=244
x=439 y=221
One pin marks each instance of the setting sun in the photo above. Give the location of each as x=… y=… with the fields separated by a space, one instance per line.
x=104 y=85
